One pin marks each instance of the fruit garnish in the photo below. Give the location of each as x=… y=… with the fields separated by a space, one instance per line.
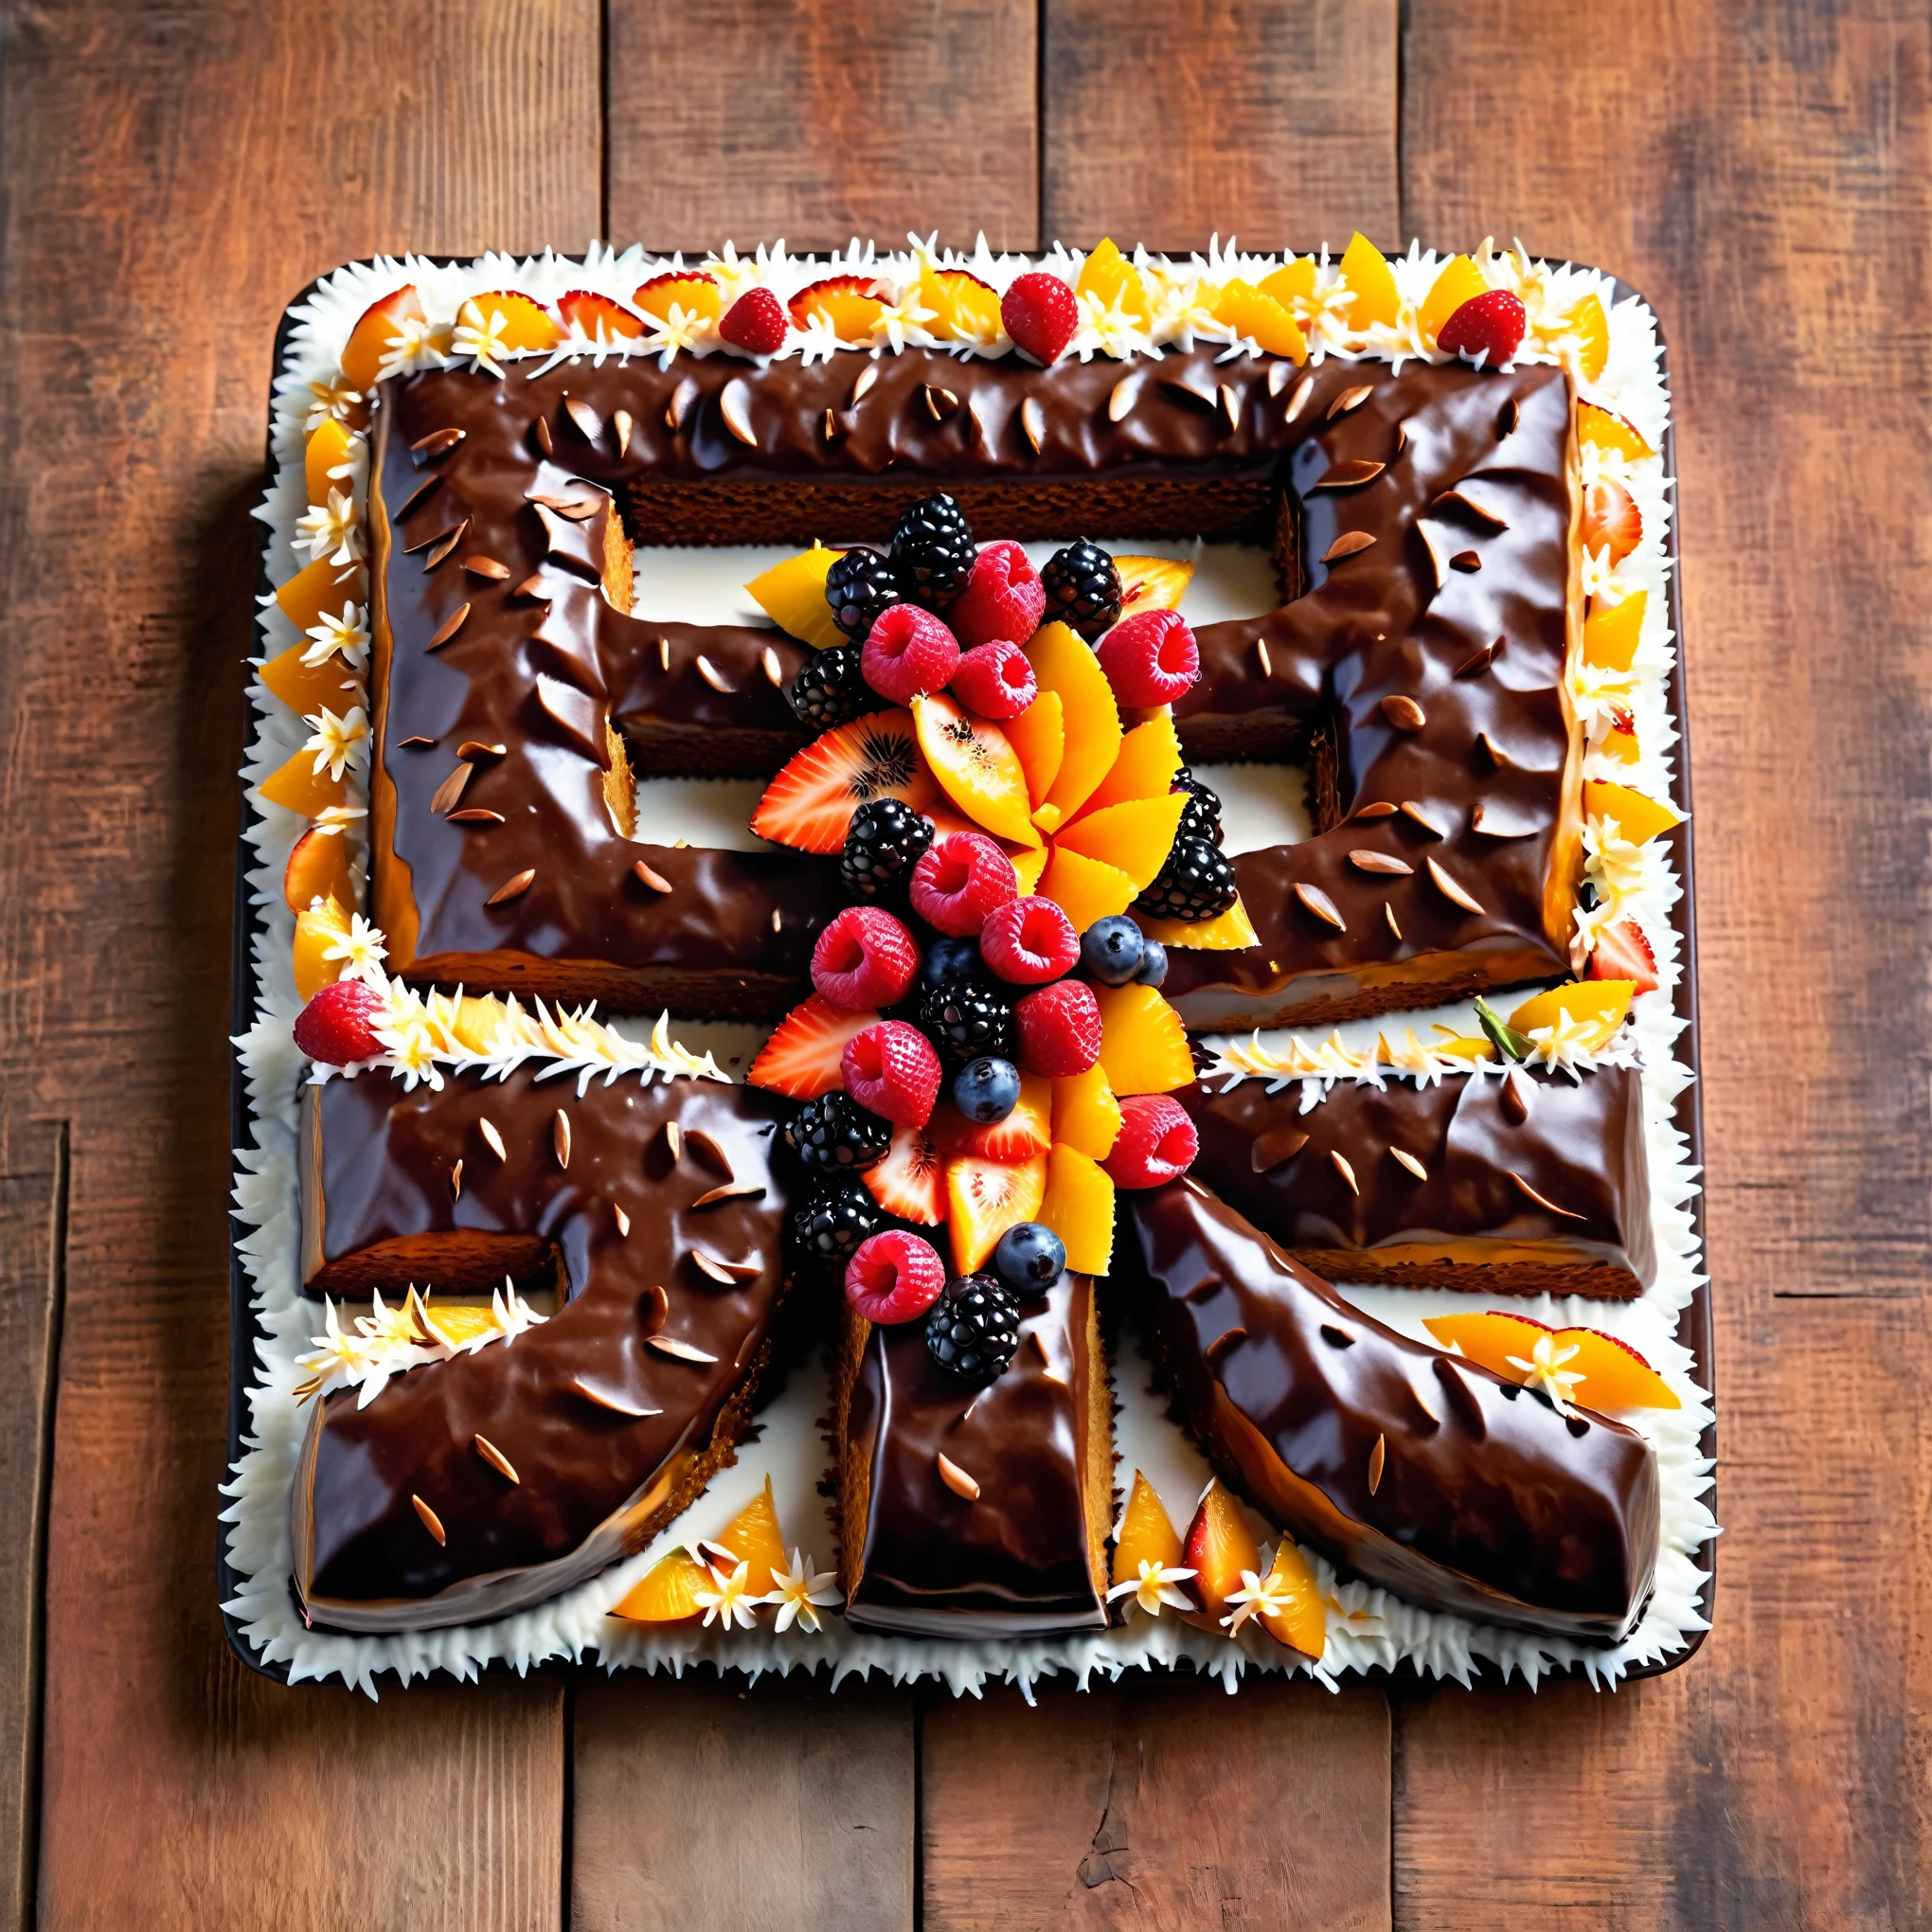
x=1029 y=942
x=859 y=588
x=1023 y=1132
x=974 y=764
x=1602 y=1371
x=1195 y=883
x=306 y=687
x=792 y=594
x=1086 y=1117
x=503 y=321
x=1028 y=865
x=964 y=309
x=1150 y=658
x=803 y=1057
x=338 y=1024
x=1003 y=598
x=996 y=681
x=598 y=318
x=895 y=1277
x=1110 y=950
x=1217 y=1547
x=1040 y=314
x=1365 y=272
x=1611 y=520
x=1622 y=952
x=909 y=654
x=753 y=1537
x=668 y=1591
x=695 y=292
x=1286 y=1603
x=1146 y=1536
x=848 y=304
x=837 y=1215
x=1228 y=931
x=327 y=449
x=1143 y=1045
x=909 y=1182
x=864 y=959
x=1038 y=737
x=1458 y=282
x=1609 y=431
x=984 y=1198
x=932 y=551
x=1079 y=1207
x=318 y=929
x=985 y=1091
x=834 y=1135
x=1262 y=319
x=1640 y=817
x=1486 y=329
x=1059 y=1028
x=297 y=786
x=755 y=323
x=380 y=328
x=1619 y=741
x=1108 y=276
x=1591 y=328
x=1087 y=889
x=972 y=1330
x=959 y=883
x=1083 y=589
x=318 y=869
x=1144 y=767
x=1152 y=962
x=892 y=1070
x=1156 y=1142
x=1067 y=666
x=1135 y=837
x=320 y=588
x=809 y=806
x=1151 y=583
x=1029 y=1256
x=1604 y=1004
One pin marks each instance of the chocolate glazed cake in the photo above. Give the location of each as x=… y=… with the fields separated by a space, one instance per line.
x=660 y=1212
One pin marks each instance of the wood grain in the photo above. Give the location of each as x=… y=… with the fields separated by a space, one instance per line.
x=1762 y=175
x=816 y=122
x=175 y=175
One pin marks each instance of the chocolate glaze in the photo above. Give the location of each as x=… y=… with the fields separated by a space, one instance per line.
x=1484 y=1502
x=1024 y=1558
x=1468 y=1225
x=378 y=1212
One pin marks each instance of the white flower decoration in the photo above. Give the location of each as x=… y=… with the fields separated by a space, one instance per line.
x=1567 y=1044
x=1613 y=863
x=1106 y=328
x=798 y=1591
x=339 y=742
x=1258 y=1596
x=361 y=950
x=346 y=636
x=682 y=328
x=334 y=1353
x=330 y=402
x=1544 y=1370
x=483 y=339
x=731 y=1601
x=332 y=531
x=1155 y=1584
x=903 y=322
x=1599 y=576
x=409 y=348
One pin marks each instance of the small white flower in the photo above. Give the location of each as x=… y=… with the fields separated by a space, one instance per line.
x=1155 y=1584
x=903 y=322
x=730 y=1602
x=1544 y=1370
x=1259 y=1596
x=361 y=950
x=330 y=402
x=484 y=339
x=332 y=531
x=1324 y=315
x=412 y=1052
x=1599 y=576
x=388 y=1328
x=796 y=1592
x=1590 y=922
x=1109 y=329
x=334 y=1353
x=346 y=636
x=689 y=329
x=1613 y=863
x=409 y=348
x=1565 y=1043
x=511 y=1313
x=339 y=742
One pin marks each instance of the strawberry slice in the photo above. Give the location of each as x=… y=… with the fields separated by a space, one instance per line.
x=594 y=315
x=1026 y=1132
x=1623 y=953
x=801 y=1059
x=907 y=1182
x=810 y=804
x=984 y=1198
x=1611 y=520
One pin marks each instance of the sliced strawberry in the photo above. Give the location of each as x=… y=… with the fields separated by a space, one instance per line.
x=1027 y=1131
x=599 y=317
x=984 y=1198
x=810 y=804
x=1611 y=520
x=909 y=1182
x=1623 y=953
x=802 y=1057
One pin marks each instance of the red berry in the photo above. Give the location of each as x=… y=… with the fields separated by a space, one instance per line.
x=894 y=1277
x=339 y=1024
x=1150 y=658
x=1040 y=314
x=864 y=958
x=1003 y=598
x=892 y=1070
x=994 y=680
x=908 y=654
x=1489 y=326
x=1029 y=941
x=755 y=323
x=1623 y=953
x=1060 y=1029
x=961 y=880
x=1156 y=1141
x=1611 y=519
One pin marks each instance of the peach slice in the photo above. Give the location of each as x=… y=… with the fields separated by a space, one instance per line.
x=1613 y=1375
x=316 y=930
x=1302 y=1625
x=1028 y=865
x=1610 y=632
x=1038 y=737
x=1064 y=663
x=1262 y=319
x=1365 y=271
x=1144 y=767
x=320 y=587
x=1147 y=1533
x=327 y=449
x=695 y=293
x=1639 y=819
x=306 y=687
x=1610 y=432
x=668 y=1591
x=1464 y=1047
x=1084 y=890
x=850 y=304
x=1143 y=1045
x=964 y=308
x=984 y=1198
x=1086 y=1117
x=1108 y=275
x=753 y=1537
x=319 y=868
x=377 y=330
x=1589 y=324
x=1294 y=277
x=297 y=786
x=1219 y=1546
x=791 y=594
x=1458 y=282
x=1151 y=583
x=976 y=767
x=597 y=317
x=457 y=1322
x=526 y=324
x=1620 y=744
x=1079 y=1207
x=1604 y=1003
x=1133 y=836
x=1226 y=932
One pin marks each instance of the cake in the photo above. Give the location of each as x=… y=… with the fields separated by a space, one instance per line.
x=988 y=838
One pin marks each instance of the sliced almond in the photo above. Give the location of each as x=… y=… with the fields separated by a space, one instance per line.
x=1377 y=1457
x=862 y=383
x=486 y=567
x=1387 y=863
x=438 y=442
x=476 y=814
x=705 y=1146
x=1323 y=907
x=492 y=1138
x=1404 y=712
x=457 y=1182
x=497 y=1458
x=1272 y=1148
x=656 y=881
x=1227 y=1340
x=1341 y=1166
x=1351 y=474
x=545 y=442
x=513 y=887
x=1033 y=421
x=1478 y=661
x=1543 y=1200
x=1518 y=1096
x=623 y=1222
x=588 y=424
x=623 y=422
x=446 y=794
x=476 y=748
x=1280 y=374
x=1349 y=398
x=1298 y=401
x=677 y=1351
x=774 y=669
x=1349 y=544
x=431 y=1521
x=559 y=1137
x=1406 y=1159
x=617 y=1404
x=1466 y=560
x=674 y=1138
x=731 y=1191
x=441 y=551
x=1122 y=397
x=1229 y=400
x=956 y=1479
x=680 y=405
x=939 y=403
x=1450 y=889
x=1376 y=808
x=1388 y=913
x=714 y=677
x=1416 y=816
x=734 y=406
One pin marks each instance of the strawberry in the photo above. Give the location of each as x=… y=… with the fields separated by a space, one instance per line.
x=1623 y=953
x=864 y=959
x=803 y=1057
x=994 y=680
x=1611 y=519
x=1024 y=1132
x=1156 y=1142
x=1487 y=328
x=1003 y=598
x=810 y=804
x=891 y=1069
x=960 y=881
x=338 y=1024
x=908 y=654
x=1060 y=1029
x=894 y=1277
x=599 y=317
x=755 y=323
x=908 y=1182
x=1029 y=942
x=1150 y=658
x=1040 y=314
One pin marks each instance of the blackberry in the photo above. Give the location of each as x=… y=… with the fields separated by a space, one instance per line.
x=858 y=588
x=965 y=1020
x=1083 y=588
x=830 y=690
x=834 y=1134
x=973 y=1328
x=836 y=1217
x=883 y=839
x=1197 y=883
x=1201 y=815
x=933 y=552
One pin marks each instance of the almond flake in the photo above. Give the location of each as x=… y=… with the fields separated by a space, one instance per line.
x=1349 y=398
x=438 y=442
x=862 y=383
x=1298 y=402
x=1388 y=913
x=457 y=1182
x=445 y=795
x=1478 y=661
x=492 y=1138
x=559 y=1137
x=533 y=587
x=734 y=406
x=1223 y=1343
x=1376 y=809
x=1450 y=889
x=1349 y=475
x=1347 y=545
x=1518 y=1096
x=656 y=881
x=584 y=416
x=956 y=1479
x=680 y=405
x=623 y=424
x=777 y=920
x=486 y=567
x=1342 y=1167
x=1272 y=1148
x=1033 y=421
x=1121 y=399
x=1416 y=815
x=664 y=653
x=1543 y=1200
x=773 y=669
x=1230 y=401
x=939 y=403
x=497 y=1458
x=418 y=740
x=1465 y=561
x=707 y=1150
x=416 y=500
x=432 y=558
x=1409 y=1161
x=431 y=1521
x=1454 y=499
x=1323 y=907
x=513 y=887
x=476 y=814
x=545 y=442
x=674 y=1138
x=831 y=426
x=1507 y=419
x=616 y=1404
x=1380 y=862
x=1279 y=373
x=677 y=1351
x=474 y=748
x=623 y=1220
x=714 y=677
x=1262 y=658
x=1377 y=1457
x=1403 y=712
x=730 y=1191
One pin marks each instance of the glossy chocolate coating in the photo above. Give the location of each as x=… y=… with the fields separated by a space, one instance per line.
x=1484 y=1501
x=1468 y=1224
x=1019 y=1559
x=378 y=1210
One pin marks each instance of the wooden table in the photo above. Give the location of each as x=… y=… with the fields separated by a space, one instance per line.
x=174 y=173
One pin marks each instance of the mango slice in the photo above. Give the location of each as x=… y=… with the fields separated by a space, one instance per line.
x=297 y=786
x=306 y=687
x=667 y=1592
x=1038 y=737
x=1219 y=1546
x=964 y=308
x=1134 y=835
x=321 y=587
x=1107 y=274
x=316 y=930
x=1084 y=890
x=1292 y=278
x=1610 y=632
x=1226 y=932
x=376 y=329
x=1638 y=818
x=1086 y=1117
x=1610 y=432
x=976 y=767
x=791 y=594
x=319 y=868
x=1244 y=308
x=1365 y=271
x=1592 y=327
x=1605 y=1001
x=1151 y=583
x=1459 y=280
x=1143 y=1045
x=328 y=449
x=1064 y=663
x=753 y=1537
x=1147 y=1535
x=1302 y=1625
x=1613 y=1375
x=1028 y=865
x=1079 y=1207
x=1148 y=757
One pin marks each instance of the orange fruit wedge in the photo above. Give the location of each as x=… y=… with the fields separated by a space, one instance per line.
x=320 y=587
x=1143 y=1045
x=1147 y=1535
x=1079 y=1207
x=1640 y=817
x=1605 y=1001
x=1294 y=277
x=1610 y=632
x=976 y=767
x=1613 y=1375
x=305 y=689
x=1083 y=888
x=525 y=324
x=457 y=1322
x=1065 y=664
x=318 y=869
x=791 y=594
x=1365 y=272
x=1303 y=1624
x=1038 y=737
x=1610 y=432
x=376 y=329
x=753 y=1537
x=1133 y=836
x=696 y=295
x=1086 y=1117
x=1219 y=1546
x=1151 y=583
x=1591 y=328
x=297 y=786
x=1144 y=767
x=667 y=1592
x=964 y=308
x=1262 y=319
x=1028 y=865
x=328 y=449
x=316 y=930
x=1226 y=932
x=1458 y=281
x=1109 y=276
x=984 y=1198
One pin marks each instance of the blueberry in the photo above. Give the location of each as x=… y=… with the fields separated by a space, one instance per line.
x=1110 y=949
x=1152 y=964
x=949 y=962
x=1029 y=1257
x=986 y=1090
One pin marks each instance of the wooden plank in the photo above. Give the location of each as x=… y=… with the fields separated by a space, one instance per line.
x=1274 y=122
x=1764 y=179
x=814 y=1827
x=816 y=122
x=174 y=176
x=1163 y=1805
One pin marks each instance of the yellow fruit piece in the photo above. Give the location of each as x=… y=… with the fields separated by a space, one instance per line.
x=964 y=309
x=319 y=868
x=1151 y=583
x=1084 y=890
x=696 y=295
x=1079 y=1207
x=1302 y=1624
x=1135 y=836
x=320 y=587
x=515 y=320
x=976 y=767
x=457 y=1322
x=1365 y=271
x=297 y=786
x=1108 y=273
x=1290 y=280
x=1591 y=328
x=1147 y=1533
x=1028 y=865
x=849 y=313
x=1605 y=1001
x=1622 y=746
x=305 y=689
x=1610 y=432
x=1062 y=663
x=1148 y=757
x=1613 y=1375
x=1464 y=1047
x=378 y=329
x=668 y=1591
x=753 y=1537
x=1261 y=317
x=483 y=1023
x=1086 y=1117
x=1638 y=818
x=984 y=1198
x=1226 y=932
x=791 y=594
x=316 y=930
x=1219 y=1548
x=1038 y=737
x=1611 y=633
x=1458 y=281
x=1048 y=818
x=1143 y=1045
x=327 y=449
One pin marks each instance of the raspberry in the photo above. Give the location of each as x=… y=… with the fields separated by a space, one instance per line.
x=864 y=959
x=994 y=680
x=894 y=1277
x=755 y=323
x=892 y=1070
x=1003 y=598
x=909 y=654
x=1029 y=942
x=1489 y=326
x=1040 y=314
x=338 y=1024
x=1150 y=658
x=1156 y=1142
x=963 y=880
x=1060 y=1029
